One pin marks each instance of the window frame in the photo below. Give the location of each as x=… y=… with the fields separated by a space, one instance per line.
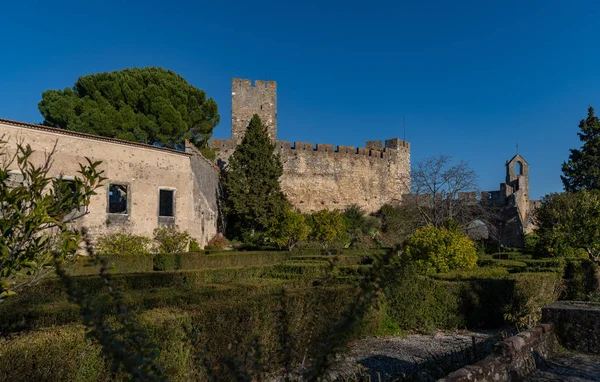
x=117 y=216
x=167 y=220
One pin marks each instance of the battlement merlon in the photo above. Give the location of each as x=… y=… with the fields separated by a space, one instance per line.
x=397 y=144
x=389 y=152
x=237 y=83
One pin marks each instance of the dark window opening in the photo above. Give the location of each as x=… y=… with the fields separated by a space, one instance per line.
x=519 y=168
x=117 y=199
x=166 y=203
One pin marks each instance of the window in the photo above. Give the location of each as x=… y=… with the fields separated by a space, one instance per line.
x=117 y=199
x=519 y=168
x=166 y=203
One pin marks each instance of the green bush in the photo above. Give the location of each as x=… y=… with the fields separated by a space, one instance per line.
x=327 y=228
x=167 y=261
x=435 y=249
x=194 y=246
x=170 y=240
x=122 y=244
x=581 y=279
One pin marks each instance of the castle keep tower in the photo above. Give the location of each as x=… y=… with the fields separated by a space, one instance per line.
x=248 y=99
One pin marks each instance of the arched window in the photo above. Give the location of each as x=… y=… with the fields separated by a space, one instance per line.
x=519 y=168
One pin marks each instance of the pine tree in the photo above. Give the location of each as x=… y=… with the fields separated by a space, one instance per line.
x=582 y=171
x=252 y=196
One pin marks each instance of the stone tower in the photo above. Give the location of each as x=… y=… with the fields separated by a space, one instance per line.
x=248 y=99
x=517 y=184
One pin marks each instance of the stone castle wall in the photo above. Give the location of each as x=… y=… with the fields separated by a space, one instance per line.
x=324 y=176
x=333 y=177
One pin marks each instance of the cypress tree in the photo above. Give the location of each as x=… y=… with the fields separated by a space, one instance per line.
x=252 y=196
x=582 y=171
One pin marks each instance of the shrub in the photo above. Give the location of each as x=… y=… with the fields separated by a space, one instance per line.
x=326 y=227
x=170 y=240
x=532 y=242
x=581 y=279
x=288 y=230
x=167 y=261
x=440 y=249
x=123 y=244
x=218 y=242
x=194 y=246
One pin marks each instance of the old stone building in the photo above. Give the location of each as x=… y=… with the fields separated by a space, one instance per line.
x=321 y=176
x=513 y=199
x=146 y=187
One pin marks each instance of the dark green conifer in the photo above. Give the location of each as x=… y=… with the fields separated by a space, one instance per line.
x=582 y=171
x=252 y=194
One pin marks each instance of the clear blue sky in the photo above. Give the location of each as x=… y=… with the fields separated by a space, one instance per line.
x=471 y=77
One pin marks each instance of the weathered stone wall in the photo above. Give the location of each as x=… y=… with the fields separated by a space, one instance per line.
x=248 y=99
x=334 y=178
x=330 y=177
x=512 y=359
x=144 y=169
x=205 y=193
x=576 y=323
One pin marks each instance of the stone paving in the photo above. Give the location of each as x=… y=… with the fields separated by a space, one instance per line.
x=567 y=366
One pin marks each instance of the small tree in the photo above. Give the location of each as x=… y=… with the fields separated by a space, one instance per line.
x=443 y=191
x=441 y=249
x=288 y=230
x=569 y=222
x=170 y=240
x=252 y=195
x=35 y=215
x=326 y=227
x=582 y=171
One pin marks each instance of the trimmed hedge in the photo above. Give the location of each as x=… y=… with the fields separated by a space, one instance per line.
x=53 y=354
x=422 y=303
x=62 y=353
x=117 y=264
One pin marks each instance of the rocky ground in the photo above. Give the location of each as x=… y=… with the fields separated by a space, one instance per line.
x=417 y=356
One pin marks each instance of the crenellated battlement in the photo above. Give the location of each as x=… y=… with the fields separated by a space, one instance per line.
x=237 y=83
x=373 y=149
